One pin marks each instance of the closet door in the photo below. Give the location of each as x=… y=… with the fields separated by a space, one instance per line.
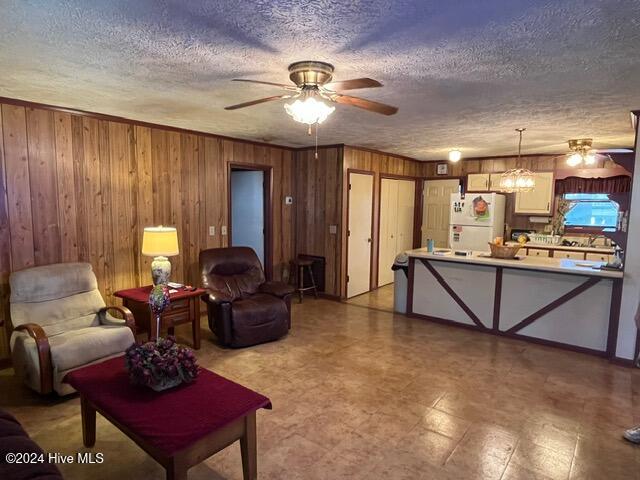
x=388 y=238
x=359 y=233
x=405 y=215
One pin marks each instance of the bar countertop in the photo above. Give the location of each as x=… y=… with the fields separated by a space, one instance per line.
x=545 y=264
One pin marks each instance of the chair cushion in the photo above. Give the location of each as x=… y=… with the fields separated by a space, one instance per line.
x=50 y=282
x=257 y=319
x=279 y=289
x=76 y=348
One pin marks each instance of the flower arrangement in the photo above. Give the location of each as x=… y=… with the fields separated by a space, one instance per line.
x=161 y=364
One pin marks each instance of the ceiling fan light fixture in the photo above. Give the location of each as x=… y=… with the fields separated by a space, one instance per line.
x=574 y=159
x=455 y=156
x=590 y=158
x=309 y=111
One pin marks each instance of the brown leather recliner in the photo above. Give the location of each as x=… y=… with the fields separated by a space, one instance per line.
x=243 y=308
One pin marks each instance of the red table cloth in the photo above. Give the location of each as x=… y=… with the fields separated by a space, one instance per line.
x=169 y=420
x=141 y=294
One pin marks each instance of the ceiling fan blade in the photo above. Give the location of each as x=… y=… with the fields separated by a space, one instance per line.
x=281 y=85
x=256 y=102
x=364 y=104
x=353 y=84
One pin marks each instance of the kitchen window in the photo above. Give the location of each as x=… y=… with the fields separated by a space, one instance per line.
x=591 y=211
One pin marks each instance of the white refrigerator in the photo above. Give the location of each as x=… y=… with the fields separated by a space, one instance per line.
x=475 y=220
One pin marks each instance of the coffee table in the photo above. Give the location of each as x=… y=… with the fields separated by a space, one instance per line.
x=180 y=427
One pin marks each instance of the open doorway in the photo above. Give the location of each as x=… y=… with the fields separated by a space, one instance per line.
x=250 y=210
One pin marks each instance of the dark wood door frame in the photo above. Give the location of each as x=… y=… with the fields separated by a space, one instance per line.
x=268 y=209
x=373 y=207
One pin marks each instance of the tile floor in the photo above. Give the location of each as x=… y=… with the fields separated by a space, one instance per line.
x=359 y=393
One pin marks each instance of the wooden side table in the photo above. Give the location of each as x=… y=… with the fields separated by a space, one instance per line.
x=183 y=308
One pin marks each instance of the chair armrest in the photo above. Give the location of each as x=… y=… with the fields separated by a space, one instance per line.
x=36 y=332
x=127 y=317
x=216 y=297
x=277 y=289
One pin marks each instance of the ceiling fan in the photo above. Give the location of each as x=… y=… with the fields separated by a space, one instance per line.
x=582 y=151
x=313 y=84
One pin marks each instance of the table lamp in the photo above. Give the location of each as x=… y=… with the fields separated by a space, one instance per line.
x=160 y=243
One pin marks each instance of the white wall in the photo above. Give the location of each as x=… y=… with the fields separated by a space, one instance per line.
x=247 y=210
x=631 y=289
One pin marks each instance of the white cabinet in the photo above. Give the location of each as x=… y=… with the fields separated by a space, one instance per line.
x=494 y=182
x=599 y=257
x=539 y=201
x=537 y=252
x=571 y=255
x=478 y=182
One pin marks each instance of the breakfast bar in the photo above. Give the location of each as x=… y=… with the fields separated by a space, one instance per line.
x=557 y=301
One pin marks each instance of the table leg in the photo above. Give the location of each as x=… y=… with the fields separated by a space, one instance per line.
x=248 y=448
x=88 y=414
x=176 y=472
x=195 y=322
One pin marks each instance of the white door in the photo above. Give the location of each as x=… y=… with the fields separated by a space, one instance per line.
x=388 y=229
x=435 y=211
x=397 y=205
x=247 y=210
x=359 y=234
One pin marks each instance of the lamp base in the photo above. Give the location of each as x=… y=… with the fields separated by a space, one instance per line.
x=160 y=270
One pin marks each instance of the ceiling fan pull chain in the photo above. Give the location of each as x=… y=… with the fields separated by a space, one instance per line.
x=316 y=154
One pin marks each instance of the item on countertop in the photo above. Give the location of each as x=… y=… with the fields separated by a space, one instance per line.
x=160 y=365
x=463 y=253
x=430 y=245
x=498 y=241
x=522 y=239
x=506 y=252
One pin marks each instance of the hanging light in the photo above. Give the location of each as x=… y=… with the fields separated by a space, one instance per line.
x=455 y=156
x=582 y=152
x=308 y=109
x=574 y=159
x=518 y=179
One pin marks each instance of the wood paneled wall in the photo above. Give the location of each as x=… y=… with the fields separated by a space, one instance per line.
x=379 y=163
x=319 y=205
x=80 y=188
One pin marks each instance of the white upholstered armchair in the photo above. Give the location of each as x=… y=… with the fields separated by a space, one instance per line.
x=61 y=323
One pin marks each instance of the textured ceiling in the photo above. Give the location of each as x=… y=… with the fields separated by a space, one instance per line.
x=463 y=73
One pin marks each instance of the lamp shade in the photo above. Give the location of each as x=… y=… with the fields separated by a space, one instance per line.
x=160 y=241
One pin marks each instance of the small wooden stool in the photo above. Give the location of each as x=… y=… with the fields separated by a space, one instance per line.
x=300 y=264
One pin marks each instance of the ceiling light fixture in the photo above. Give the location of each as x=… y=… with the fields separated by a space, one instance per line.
x=455 y=156
x=518 y=179
x=582 y=152
x=308 y=109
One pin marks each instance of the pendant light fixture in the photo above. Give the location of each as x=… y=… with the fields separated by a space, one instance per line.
x=517 y=179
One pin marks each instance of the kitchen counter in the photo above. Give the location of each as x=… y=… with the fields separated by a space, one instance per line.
x=556 y=301
x=546 y=264
x=546 y=246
